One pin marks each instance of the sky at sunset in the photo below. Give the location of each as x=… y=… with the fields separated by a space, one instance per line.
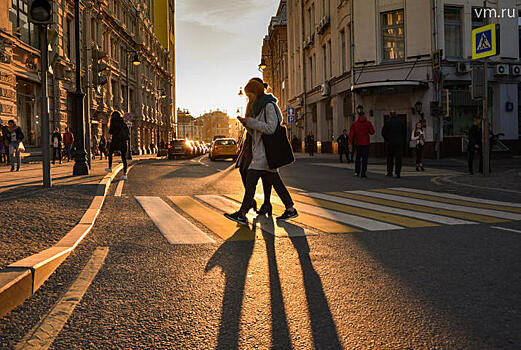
x=218 y=46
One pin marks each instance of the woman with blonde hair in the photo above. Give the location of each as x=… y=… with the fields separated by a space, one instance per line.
x=262 y=118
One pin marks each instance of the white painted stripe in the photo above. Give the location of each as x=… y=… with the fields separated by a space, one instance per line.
x=505 y=229
x=45 y=332
x=264 y=223
x=175 y=228
x=433 y=204
x=119 y=188
x=391 y=210
x=348 y=219
x=455 y=196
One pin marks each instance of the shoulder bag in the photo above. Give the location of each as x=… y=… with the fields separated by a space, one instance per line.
x=277 y=146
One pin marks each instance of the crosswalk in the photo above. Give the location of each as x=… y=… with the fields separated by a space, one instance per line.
x=199 y=219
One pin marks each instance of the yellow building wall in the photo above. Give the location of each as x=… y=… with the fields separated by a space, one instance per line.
x=161 y=22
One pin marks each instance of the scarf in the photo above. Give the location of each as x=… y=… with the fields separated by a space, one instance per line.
x=261 y=102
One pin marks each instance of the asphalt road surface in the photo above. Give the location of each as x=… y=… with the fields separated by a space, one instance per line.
x=377 y=263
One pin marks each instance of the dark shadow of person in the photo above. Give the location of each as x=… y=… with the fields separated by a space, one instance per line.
x=233 y=258
x=280 y=338
x=323 y=326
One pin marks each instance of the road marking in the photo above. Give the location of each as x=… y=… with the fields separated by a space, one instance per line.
x=433 y=204
x=455 y=196
x=45 y=332
x=389 y=218
x=436 y=180
x=313 y=221
x=263 y=222
x=505 y=229
x=121 y=183
x=391 y=210
x=448 y=179
x=215 y=221
x=175 y=228
x=458 y=214
x=450 y=201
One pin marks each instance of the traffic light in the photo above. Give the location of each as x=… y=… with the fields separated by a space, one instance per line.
x=40 y=11
x=98 y=67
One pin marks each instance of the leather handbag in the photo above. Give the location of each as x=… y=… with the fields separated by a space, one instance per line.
x=277 y=146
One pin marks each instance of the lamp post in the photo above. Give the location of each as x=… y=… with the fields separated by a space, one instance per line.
x=80 y=156
x=159 y=97
x=136 y=62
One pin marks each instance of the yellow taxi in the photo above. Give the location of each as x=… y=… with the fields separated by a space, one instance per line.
x=224 y=148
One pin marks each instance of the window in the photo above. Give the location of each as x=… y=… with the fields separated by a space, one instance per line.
x=68 y=41
x=311 y=72
x=343 y=50
x=453 y=32
x=393 y=38
x=324 y=57
x=310 y=21
x=330 y=59
x=19 y=19
x=93 y=30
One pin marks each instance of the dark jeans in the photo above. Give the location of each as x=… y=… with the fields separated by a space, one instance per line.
x=252 y=178
x=342 y=151
x=419 y=154
x=68 y=151
x=394 y=154
x=471 y=159
x=56 y=152
x=362 y=155
x=123 y=151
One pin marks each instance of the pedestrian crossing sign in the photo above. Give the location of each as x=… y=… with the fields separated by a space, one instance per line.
x=484 y=41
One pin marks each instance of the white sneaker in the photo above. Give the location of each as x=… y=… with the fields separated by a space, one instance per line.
x=124 y=177
x=108 y=170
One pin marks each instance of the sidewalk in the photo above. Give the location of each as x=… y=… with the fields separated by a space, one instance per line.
x=33 y=217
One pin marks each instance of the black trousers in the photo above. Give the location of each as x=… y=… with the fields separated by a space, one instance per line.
x=275 y=182
x=419 y=154
x=471 y=159
x=56 y=152
x=252 y=178
x=123 y=151
x=394 y=158
x=362 y=155
x=342 y=151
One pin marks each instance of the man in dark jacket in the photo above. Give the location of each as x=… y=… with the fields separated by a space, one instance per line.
x=15 y=136
x=475 y=145
x=394 y=133
x=360 y=134
x=343 y=145
x=120 y=136
x=56 y=143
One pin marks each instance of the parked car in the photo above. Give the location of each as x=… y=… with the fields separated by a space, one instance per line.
x=223 y=148
x=180 y=148
x=200 y=149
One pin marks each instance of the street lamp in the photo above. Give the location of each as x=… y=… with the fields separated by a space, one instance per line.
x=136 y=62
x=262 y=65
x=240 y=92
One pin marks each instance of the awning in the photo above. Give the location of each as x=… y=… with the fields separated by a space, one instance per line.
x=391 y=84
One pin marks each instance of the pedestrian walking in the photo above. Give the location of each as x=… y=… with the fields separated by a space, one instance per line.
x=16 y=136
x=68 y=141
x=94 y=146
x=394 y=132
x=102 y=146
x=475 y=145
x=418 y=142
x=310 y=143
x=360 y=135
x=120 y=135
x=263 y=117
x=56 y=142
x=4 y=144
x=343 y=145
x=295 y=144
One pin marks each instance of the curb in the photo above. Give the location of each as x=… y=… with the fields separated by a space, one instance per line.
x=21 y=279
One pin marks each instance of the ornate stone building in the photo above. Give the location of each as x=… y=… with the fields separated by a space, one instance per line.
x=128 y=31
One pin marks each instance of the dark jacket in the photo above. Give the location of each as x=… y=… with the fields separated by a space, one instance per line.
x=19 y=134
x=119 y=131
x=474 y=136
x=343 y=141
x=394 y=131
x=102 y=144
x=361 y=131
x=245 y=153
x=68 y=138
x=59 y=136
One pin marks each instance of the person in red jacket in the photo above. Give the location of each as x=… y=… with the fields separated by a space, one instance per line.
x=68 y=141
x=360 y=134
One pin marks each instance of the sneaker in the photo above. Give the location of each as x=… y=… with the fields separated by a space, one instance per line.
x=389 y=174
x=363 y=175
x=357 y=174
x=397 y=176
x=124 y=177
x=237 y=217
x=12 y=168
x=108 y=170
x=288 y=215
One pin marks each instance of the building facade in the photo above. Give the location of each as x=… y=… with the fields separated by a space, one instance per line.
x=126 y=30
x=378 y=54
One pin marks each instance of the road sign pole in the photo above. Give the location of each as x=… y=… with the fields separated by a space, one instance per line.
x=47 y=182
x=485 y=148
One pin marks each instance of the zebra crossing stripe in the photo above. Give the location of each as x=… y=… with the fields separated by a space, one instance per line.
x=215 y=221
x=264 y=223
x=451 y=201
x=360 y=212
x=391 y=210
x=455 y=196
x=433 y=204
x=175 y=228
x=308 y=220
x=457 y=214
